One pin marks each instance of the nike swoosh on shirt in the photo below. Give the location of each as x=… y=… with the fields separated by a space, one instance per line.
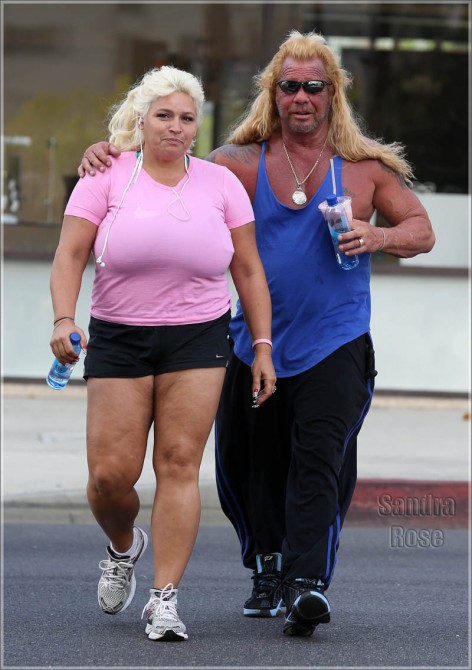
x=141 y=213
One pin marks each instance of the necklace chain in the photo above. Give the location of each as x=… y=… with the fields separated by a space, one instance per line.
x=300 y=183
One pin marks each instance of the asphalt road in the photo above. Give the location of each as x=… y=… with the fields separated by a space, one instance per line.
x=391 y=606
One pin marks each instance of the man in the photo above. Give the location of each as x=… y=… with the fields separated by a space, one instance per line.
x=286 y=472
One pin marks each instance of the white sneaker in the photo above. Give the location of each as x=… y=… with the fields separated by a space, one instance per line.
x=163 y=622
x=117 y=584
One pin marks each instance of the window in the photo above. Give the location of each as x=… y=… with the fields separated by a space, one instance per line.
x=409 y=63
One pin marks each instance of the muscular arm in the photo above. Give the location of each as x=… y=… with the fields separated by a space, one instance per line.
x=411 y=232
x=373 y=186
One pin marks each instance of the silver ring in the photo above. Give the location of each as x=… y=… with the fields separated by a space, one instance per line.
x=274 y=389
x=361 y=242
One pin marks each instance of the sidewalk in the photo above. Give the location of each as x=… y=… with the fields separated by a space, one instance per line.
x=413 y=460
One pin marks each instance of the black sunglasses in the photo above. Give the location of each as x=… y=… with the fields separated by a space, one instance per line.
x=312 y=87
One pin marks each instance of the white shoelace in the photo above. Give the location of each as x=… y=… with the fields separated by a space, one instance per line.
x=161 y=608
x=115 y=573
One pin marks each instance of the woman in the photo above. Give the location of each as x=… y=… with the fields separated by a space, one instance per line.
x=163 y=227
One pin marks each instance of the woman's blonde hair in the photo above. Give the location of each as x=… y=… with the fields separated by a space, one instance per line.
x=344 y=135
x=124 y=128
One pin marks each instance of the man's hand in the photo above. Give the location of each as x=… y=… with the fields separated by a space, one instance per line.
x=96 y=157
x=363 y=238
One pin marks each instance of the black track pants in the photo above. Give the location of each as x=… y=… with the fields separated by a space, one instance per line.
x=286 y=472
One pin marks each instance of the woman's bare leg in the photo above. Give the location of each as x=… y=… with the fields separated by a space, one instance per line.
x=119 y=416
x=185 y=408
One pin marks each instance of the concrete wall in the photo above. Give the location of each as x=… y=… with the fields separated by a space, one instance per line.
x=421 y=331
x=450 y=217
x=420 y=326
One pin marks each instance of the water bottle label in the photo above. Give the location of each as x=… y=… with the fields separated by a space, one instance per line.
x=60 y=374
x=339 y=226
x=345 y=262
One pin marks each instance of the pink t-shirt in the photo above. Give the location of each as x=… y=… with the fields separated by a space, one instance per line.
x=160 y=270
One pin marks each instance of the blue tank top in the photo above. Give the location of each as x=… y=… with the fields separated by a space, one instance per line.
x=316 y=306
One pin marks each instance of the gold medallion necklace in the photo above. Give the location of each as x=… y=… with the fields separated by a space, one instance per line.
x=298 y=196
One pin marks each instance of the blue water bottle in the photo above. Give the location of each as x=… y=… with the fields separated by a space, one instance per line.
x=59 y=374
x=338 y=223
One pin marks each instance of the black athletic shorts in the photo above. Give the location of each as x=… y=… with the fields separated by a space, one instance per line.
x=117 y=350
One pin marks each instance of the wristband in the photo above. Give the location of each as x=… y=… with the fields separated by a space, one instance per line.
x=261 y=340
x=63 y=318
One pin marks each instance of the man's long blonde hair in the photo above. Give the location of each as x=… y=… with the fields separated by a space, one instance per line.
x=345 y=136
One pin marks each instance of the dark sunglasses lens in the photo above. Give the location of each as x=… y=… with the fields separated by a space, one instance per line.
x=289 y=86
x=313 y=87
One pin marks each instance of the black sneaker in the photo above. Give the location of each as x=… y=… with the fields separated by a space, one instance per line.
x=266 y=598
x=306 y=604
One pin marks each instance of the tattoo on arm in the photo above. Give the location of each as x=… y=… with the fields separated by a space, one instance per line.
x=247 y=153
x=398 y=177
x=347 y=191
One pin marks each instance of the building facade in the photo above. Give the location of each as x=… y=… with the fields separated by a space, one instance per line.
x=65 y=64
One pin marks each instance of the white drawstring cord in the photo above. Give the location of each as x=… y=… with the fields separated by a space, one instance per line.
x=133 y=178
x=137 y=169
x=178 y=197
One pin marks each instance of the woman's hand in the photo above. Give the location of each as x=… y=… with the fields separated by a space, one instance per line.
x=263 y=376
x=60 y=341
